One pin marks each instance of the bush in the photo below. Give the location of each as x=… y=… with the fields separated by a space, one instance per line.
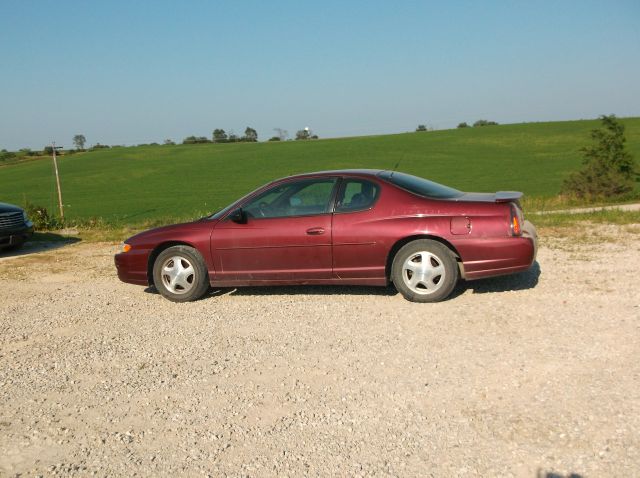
x=5 y=155
x=42 y=220
x=609 y=169
x=274 y=138
x=250 y=135
x=28 y=152
x=484 y=123
x=195 y=140
x=219 y=136
x=463 y=125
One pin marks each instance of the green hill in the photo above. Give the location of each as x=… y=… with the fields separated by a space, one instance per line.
x=130 y=185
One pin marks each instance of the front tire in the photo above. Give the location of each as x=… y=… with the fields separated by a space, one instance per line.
x=424 y=271
x=180 y=274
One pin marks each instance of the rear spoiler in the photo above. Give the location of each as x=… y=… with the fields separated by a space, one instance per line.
x=500 y=196
x=508 y=196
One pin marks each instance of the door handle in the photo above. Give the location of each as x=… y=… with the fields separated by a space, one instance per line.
x=315 y=231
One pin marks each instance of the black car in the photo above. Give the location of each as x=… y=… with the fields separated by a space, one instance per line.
x=15 y=226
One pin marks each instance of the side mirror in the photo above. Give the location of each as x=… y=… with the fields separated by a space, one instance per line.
x=238 y=216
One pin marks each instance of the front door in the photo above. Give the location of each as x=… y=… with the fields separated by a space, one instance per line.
x=286 y=235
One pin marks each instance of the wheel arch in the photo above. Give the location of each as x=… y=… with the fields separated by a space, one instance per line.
x=156 y=252
x=406 y=240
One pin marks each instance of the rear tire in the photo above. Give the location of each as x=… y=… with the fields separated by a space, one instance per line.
x=180 y=274
x=424 y=271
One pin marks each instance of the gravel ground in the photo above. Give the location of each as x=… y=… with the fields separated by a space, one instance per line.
x=526 y=375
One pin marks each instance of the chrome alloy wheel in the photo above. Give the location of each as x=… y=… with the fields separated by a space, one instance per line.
x=178 y=275
x=423 y=273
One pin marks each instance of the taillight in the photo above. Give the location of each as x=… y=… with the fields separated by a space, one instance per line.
x=516 y=220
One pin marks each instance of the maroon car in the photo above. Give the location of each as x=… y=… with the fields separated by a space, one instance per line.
x=365 y=227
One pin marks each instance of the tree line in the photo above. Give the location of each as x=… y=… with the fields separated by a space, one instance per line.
x=464 y=124
x=219 y=135
x=79 y=142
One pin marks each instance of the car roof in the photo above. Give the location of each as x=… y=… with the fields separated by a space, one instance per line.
x=336 y=172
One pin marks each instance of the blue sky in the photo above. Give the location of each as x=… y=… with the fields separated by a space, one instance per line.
x=124 y=72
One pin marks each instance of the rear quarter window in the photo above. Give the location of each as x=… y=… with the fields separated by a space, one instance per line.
x=420 y=186
x=357 y=195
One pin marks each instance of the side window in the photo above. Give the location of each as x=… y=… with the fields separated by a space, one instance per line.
x=299 y=198
x=357 y=195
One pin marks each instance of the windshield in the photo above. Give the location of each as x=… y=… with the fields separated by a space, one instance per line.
x=420 y=186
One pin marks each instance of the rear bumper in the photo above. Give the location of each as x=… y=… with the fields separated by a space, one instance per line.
x=132 y=266
x=529 y=231
x=501 y=256
x=13 y=237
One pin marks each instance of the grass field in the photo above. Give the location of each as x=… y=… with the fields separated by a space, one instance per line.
x=151 y=184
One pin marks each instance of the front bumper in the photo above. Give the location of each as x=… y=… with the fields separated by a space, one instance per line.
x=12 y=237
x=132 y=266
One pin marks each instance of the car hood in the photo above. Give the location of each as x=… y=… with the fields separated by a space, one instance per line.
x=166 y=230
x=4 y=207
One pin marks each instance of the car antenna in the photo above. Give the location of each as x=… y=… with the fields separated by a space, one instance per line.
x=395 y=167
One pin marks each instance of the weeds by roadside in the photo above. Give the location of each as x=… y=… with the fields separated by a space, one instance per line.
x=570 y=220
x=534 y=204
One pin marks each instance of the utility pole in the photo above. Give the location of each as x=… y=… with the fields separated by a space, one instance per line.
x=55 y=166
